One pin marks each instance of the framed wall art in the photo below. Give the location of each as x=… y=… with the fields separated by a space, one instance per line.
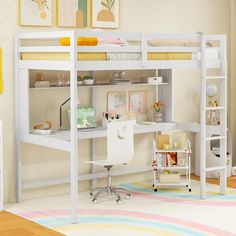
x=35 y=12
x=116 y=102
x=138 y=101
x=105 y=13
x=72 y=13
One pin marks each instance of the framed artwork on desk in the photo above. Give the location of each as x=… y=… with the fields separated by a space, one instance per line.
x=105 y=13
x=138 y=101
x=116 y=102
x=35 y=12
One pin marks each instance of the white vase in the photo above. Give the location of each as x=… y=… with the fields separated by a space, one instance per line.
x=158 y=117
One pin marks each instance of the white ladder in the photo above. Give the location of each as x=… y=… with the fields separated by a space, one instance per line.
x=222 y=78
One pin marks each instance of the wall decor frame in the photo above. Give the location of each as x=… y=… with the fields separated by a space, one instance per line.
x=35 y=12
x=117 y=102
x=71 y=13
x=105 y=13
x=138 y=101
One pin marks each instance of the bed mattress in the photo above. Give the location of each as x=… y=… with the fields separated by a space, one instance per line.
x=211 y=53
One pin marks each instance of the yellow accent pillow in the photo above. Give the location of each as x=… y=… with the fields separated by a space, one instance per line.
x=81 y=41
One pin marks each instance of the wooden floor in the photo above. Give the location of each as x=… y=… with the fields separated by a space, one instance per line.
x=12 y=225
x=231 y=181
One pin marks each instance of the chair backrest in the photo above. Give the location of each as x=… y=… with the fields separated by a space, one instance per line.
x=120 y=142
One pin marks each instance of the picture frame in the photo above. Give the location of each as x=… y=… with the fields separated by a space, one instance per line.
x=181 y=161
x=117 y=102
x=71 y=13
x=105 y=13
x=138 y=101
x=35 y=13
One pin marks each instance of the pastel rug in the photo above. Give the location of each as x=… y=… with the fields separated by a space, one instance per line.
x=166 y=212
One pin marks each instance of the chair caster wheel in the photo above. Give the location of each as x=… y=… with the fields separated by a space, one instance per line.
x=118 y=200
x=155 y=189
x=127 y=196
x=190 y=190
x=90 y=194
x=186 y=186
x=94 y=200
x=153 y=185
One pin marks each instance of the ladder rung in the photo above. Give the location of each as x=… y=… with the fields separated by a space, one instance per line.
x=215 y=108
x=216 y=77
x=215 y=168
x=215 y=138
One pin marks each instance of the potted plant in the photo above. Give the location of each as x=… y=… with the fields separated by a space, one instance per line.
x=79 y=80
x=158 y=111
x=88 y=80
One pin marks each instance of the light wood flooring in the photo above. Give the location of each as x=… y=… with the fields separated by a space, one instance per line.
x=12 y=225
x=231 y=181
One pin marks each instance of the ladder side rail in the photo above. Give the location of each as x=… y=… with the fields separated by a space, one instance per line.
x=223 y=118
x=203 y=120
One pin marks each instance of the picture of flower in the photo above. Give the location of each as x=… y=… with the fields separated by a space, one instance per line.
x=35 y=12
x=105 y=13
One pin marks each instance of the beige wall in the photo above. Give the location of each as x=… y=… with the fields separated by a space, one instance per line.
x=171 y=16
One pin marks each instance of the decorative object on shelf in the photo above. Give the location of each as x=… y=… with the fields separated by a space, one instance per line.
x=72 y=13
x=105 y=13
x=154 y=80
x=42 y=84
x=45 y=128
x=79 y=80
x=120 y=78
x=181 y=161
x=60 y=80
x=161 y=140
x=212 y=116
x=1 y=83
x=158 y=111
x=88 y=80
x=86 y=118
x=179 y=140
x=109 y=117
x=138 y=101
x=35 y=12
x=116 y=102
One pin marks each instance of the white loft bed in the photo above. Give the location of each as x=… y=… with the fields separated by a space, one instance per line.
x=67 y=140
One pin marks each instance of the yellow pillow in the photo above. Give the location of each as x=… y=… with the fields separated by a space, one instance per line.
x=81 y=41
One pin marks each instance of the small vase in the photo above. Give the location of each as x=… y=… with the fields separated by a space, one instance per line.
x=158 y=117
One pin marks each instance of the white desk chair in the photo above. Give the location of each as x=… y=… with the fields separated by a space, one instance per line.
x=1 y=167
x=120 y=150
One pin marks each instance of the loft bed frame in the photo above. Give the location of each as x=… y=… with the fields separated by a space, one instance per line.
x=68 y=140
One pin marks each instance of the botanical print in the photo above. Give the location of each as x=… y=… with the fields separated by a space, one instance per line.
x=35 y=12
x=138 y=101
x=116 y=102
x=72 y=13
x=105 y=13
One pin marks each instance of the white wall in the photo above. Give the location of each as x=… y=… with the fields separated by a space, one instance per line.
x=171 y=16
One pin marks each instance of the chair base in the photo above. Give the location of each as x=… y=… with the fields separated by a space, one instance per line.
x=110 y=190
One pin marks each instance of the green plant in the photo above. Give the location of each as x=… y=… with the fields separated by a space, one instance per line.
x=79 y=78
x=108 y=4
x=87 y=77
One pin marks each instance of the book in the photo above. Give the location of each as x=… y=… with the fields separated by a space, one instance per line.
x=42 y=131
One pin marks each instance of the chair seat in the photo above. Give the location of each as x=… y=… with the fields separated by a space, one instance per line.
x=103 y=163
